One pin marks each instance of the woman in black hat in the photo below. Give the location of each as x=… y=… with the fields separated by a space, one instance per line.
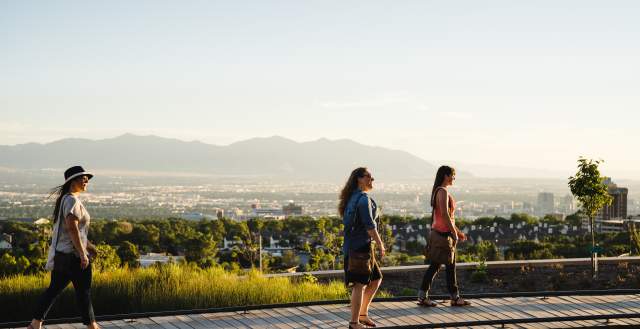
x=70 y=249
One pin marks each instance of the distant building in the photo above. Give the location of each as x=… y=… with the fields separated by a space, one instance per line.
x=266 y=213
x=292 y=210
x=569 y=204
x=196 y=216
x=545 y=203
x=618 y=207
x=152 y=258
x=5 y=241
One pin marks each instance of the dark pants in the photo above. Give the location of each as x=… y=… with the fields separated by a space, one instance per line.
x=60 y=278
x=430 y=274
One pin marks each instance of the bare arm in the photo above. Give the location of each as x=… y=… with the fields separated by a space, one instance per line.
x=71 y=223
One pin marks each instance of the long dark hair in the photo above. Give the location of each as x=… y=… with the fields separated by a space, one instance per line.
x=442 y=172
x=349 y=188
x=59 y=192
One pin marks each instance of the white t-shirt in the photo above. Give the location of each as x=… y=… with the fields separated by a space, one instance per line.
x=72 y=205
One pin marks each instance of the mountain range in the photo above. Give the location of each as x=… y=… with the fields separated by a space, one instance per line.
x=276 y=157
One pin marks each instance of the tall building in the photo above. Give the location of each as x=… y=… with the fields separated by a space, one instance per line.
x=618 y=207
x=545 y=203
x=569 y=204
x=292 y=209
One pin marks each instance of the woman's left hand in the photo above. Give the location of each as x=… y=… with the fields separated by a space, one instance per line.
x=91 y=249
x=461 y=236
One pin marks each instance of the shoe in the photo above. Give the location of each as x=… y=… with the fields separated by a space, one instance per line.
x=426 y=302
x=364 y=319
x=459 y=302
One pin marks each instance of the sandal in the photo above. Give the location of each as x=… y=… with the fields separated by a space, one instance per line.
x=366 y=321
x=459 y=302
x=354 y=325
x=426 y=302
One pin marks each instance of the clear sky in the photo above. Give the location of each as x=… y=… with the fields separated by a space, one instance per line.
x=521 y=83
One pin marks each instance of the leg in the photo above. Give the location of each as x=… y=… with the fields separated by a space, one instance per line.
x=452 y=281
x=452 y=285
x=59 y=280
x=357 y=293
x=81 y=280
x=369 y=292
x=427 y=279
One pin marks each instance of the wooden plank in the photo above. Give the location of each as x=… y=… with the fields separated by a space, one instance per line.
x=437 y=314
x=325 y=320
x=165 y=321
x=125 y=323
x=332 y=315
x=510 y=311
x=388 y=312
x=255 y=319
x=551 y=306
x=413 y=313
x=292 y=319
x=176 y=322
x=609 y=303
x=269 y=317
x=196 y=321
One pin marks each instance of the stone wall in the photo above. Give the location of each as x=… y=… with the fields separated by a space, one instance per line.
x=511 y=276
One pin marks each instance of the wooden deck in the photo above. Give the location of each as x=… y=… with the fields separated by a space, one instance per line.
x=398 y=313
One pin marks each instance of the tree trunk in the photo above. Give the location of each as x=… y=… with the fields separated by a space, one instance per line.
x=594 y=254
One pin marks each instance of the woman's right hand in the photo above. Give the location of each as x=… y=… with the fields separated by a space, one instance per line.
x=382 y=251
x=84 y=261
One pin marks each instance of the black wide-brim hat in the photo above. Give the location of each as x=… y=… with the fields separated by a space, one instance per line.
x=74 y=172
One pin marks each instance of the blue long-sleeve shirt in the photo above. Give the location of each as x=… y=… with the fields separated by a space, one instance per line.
x=364 y=208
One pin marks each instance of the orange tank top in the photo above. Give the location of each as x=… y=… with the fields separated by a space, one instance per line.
x=439 y=223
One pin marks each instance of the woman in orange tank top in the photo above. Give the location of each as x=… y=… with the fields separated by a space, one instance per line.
x=443 y=233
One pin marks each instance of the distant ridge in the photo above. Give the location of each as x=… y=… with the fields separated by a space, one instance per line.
x=274 y=156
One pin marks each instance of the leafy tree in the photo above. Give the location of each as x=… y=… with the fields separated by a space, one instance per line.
x=128 y=253
x=106 y=259
x=22 y=264
x=524 y=218
x=289 y=259
x=7 y=264
x=588 y=187
x=200 y=249
x=634 y=236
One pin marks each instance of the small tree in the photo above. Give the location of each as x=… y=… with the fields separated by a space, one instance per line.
x=107 y=258
x=128 y=253
x=588 y=187
x=634 y=237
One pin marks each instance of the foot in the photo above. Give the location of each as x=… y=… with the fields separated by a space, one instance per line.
x=35 y=324
x=355 y=325
x=459 y=302
x=364 y=319
x=426 y=302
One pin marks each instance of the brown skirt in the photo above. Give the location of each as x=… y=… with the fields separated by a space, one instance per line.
x=350 y=278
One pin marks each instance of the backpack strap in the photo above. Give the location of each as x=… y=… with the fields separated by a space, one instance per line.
x=59 y=215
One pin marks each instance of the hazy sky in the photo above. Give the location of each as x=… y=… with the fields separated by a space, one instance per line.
x=533 y=84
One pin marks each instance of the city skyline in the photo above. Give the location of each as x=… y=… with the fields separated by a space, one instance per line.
x=511 y=84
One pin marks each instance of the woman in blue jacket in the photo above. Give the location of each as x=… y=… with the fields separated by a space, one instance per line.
x=362 y=273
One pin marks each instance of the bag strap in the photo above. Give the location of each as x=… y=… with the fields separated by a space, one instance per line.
x=355 y=214
x=59 y=223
